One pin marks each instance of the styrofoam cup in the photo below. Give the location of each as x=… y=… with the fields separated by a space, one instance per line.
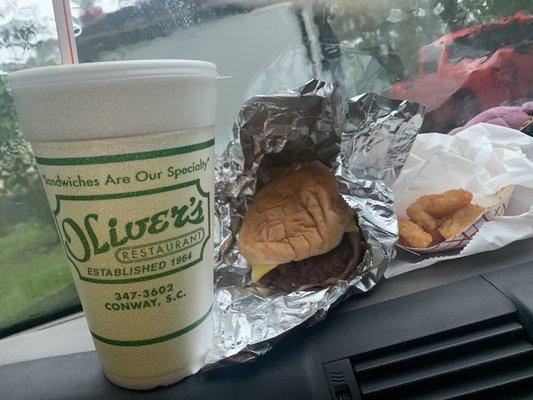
x=125 y=153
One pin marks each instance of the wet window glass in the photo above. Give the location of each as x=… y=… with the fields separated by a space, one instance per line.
x=35 y=282
x=458 y=57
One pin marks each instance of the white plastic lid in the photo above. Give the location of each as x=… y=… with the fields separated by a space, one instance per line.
x=114 y=99
x=112 y=70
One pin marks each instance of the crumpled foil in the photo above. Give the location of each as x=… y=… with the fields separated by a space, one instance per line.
x=364 y=146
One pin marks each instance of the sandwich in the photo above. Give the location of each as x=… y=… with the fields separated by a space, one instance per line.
x=299 y=233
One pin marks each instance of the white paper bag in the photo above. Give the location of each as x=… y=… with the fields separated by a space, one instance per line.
x=482 y=159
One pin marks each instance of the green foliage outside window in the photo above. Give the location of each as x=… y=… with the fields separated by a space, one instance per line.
x=34 y=276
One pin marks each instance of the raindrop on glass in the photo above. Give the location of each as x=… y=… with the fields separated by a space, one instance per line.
x=438 y=9
x=396 y=15
x=125 y=3
x=26 y=14
x=77 y=29
x=420 y=12
x=7 y=12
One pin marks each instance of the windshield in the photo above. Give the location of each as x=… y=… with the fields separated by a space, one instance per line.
x=458 y=57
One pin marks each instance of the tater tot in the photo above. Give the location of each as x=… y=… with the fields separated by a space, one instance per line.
x=460 y=220
x=413 y=234
x=420 y=217
x=441 y=205
x=436 y=236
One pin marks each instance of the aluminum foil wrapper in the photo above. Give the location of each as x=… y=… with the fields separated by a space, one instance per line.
x=365 y=146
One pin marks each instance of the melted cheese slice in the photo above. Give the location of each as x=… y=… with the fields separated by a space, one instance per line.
x=260 y=270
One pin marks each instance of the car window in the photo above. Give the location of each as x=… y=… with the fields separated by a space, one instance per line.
x=458 y=57
x=35 y=282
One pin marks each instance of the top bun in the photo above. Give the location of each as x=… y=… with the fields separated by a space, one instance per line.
x=297 y=216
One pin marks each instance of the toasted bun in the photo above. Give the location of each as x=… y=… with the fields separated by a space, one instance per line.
x=297 y=216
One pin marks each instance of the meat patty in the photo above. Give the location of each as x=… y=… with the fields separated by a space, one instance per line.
x=314 y=271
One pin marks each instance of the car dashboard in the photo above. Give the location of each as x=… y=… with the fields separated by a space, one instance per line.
x=459 y=329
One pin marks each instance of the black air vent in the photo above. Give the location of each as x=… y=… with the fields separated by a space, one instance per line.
x=492 y=360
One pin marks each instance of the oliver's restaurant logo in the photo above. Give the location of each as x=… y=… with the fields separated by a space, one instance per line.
x=120 y=239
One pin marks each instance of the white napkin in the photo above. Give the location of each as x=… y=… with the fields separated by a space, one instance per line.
x=482 y=159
